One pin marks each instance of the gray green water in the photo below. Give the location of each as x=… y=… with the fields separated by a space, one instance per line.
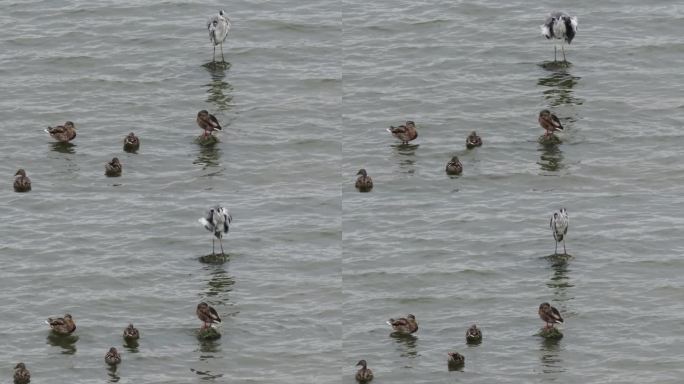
x=315 y=267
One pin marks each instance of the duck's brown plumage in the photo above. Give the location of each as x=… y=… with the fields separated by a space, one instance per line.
x=63 y=133
x=549 y=314
x=456 y=358
x=364 y=183
x=549 y=122
x=208 y=122
x=207 y=314
x=21 y=182
x=406 y=324
x=131 y=142
x=454 y=166
x=112 y=357
x=21 y=374
x=473 y=334
x=364 y=374
x=62 y=325
x=131 y=333
x=405 y=133
x=113 y=168
x=473 y=140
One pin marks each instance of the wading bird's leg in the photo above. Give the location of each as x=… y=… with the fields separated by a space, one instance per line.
x=223 y=60
x=554 y=53
x=563 y=49
x=564 y=251
x=212 y=246
x=221 y=242
x=555 y=251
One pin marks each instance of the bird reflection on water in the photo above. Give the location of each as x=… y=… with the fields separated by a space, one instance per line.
x=558 y=91
x=219 y=92
x=550 y=158
x=405 y=155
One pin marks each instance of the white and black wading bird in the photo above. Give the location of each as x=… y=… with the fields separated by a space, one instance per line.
x=217 y=221
x=559 y=226
x=560 y=25
x=218 y=27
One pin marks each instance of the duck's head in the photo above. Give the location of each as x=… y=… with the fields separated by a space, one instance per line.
x=67 y=316
x=131 y=135
x=410 y=123
x=115 y=161
x=411 y=317
x=544 y=113
x=362 y=172
x=455 y=356
x=113 y=351
x=544 y=306
x=473 y=329
x=20 y=366
x=455 y=160
x=130 y=326
x=69 y=124
x=473 y=134
x=203 y=114
x=361 y=363
x=20 y=172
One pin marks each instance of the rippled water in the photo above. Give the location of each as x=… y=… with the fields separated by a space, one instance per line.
x=313 y=271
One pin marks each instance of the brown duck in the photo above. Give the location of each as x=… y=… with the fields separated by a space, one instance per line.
x=131 y=333
x=113 y=168
x=21 y=182
x=405 y=133
x=549 y=315
x=63 y=133
x=406 y=324
x=62 y=325
x=207 y=314
x=112 y=357
x=208 y=122
x=549 y=122
x=364 y=374
x=364 y=183
x=21 y=374
x=454 y=166
x=473 y=140
x=131 y=143
x=455 y=359
x=473 y=335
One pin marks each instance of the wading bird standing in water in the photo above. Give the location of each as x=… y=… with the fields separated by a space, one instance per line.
x=559 y=25
x=559 y=226
x=217 y=221
x=218 y=27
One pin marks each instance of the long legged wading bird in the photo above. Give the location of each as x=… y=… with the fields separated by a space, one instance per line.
x=218 y=27
x=549 y=315
x=559 y=226
x=559 y=25
x=217 y=221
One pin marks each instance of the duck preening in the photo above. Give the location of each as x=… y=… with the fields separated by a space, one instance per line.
x=454 y=166
x=549 y=122
x=549 y=315
x=131 y=143
x=405 y=133
x=62 y=325
x=113 y=168
x=207 y=314
x=112 y=357
x=63 y=133
x=364 y=183
x=406 y=324
x=21 y=374
x=208 y=122
x=473 y=140
x=22 y=183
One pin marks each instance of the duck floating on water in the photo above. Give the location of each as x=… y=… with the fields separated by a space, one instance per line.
x=405 y=133
x=208 y=122
x=473 y=335
x=131 y=333
x=473 y=140
x=131 y=143
x=364 y=374
x=405 y=325
x=63 y=133
x=22 y=183
x=455 y=360
x=112 y=357
x=62 y=325
x=454 y=166
x=364 y=183
x=207 y=314
x=549 y=315
x=113 y=168
x=21 y=374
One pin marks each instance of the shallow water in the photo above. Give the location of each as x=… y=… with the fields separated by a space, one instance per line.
x=315 y=268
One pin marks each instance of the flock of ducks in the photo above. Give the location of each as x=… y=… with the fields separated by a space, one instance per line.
x=558 y=25
x=216 y=220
